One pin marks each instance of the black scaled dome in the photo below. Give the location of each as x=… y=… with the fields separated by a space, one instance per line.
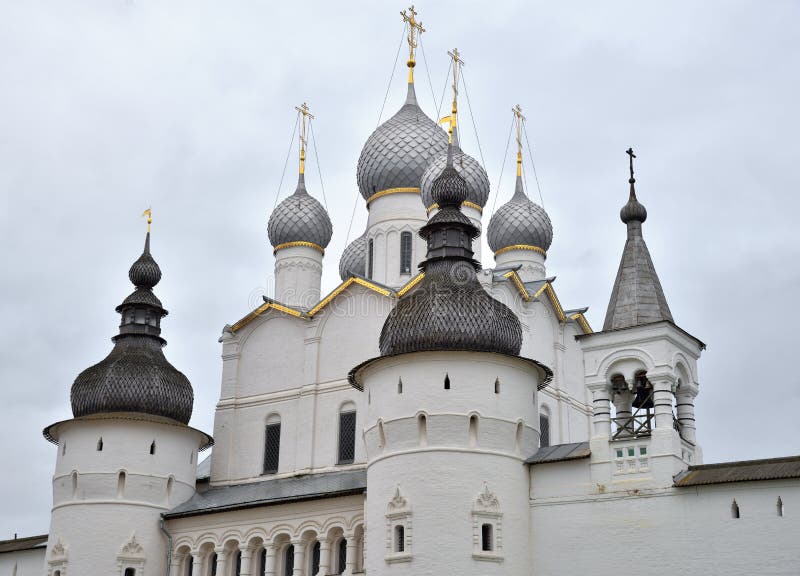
x=450 y=310
x=135 y=376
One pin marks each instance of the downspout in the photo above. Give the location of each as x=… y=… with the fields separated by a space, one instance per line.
x=169 y=544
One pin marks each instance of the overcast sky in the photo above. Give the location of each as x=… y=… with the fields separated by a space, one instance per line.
x=108 y=107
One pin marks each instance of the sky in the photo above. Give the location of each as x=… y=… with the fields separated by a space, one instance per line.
x=110 y=106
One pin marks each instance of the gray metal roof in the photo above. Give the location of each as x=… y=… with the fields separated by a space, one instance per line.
x=19 y=544
x=272 y=491
x=637 y=297
x=519 y=222
x=560 y=452
x=300 y=218
x=204 y=469
x=742 y=471
x=398 y=151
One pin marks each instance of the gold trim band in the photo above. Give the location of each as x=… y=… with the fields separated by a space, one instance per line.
x=392 y=191
x=299 y=243
x=521 y=247
x=466 y=203
x=410 y=284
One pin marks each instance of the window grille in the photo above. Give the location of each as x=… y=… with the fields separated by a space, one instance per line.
x=347 y=437
x=370 y=258
x=341 y=563
x=544 y=430
x=272 y=447
x=405 y=253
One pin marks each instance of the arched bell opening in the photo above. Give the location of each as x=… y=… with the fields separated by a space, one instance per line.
x=633 y=406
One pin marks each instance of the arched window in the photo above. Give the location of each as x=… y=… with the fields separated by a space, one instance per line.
x=734 y=509
x=121 y=484
x=57 y=573
x=447 y=381
x=473 y=430
x=497 y=386
x=399 y=538
x=341 y=556
x=272 y=444
x=405 y=253
x=487 y=538
x=189 y=565
x=237 y=563
x=315 y=555
x=130 y=571
x=288 y=560
x=212 y=564
x=347 y=436
x=544 y=430
x=261 y=570
x=422 y=426
x=381 y=434
x=370 y=258
x=170 y=483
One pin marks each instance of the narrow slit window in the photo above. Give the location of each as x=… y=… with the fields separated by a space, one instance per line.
x=100 y=444
x=315 y=556
x=288 y=560
x=212 y=564
x=272 y=447
x=237 y=563
x=544 y=430
x=262 y=563
x=64 y=448
x=422 y=425
x=121 y=484
x=399 y=538
x=447 y=382
x=400 y=386
x=487 y=544
x=370 y=258
x=347 y=437
x=153 y=448
x=497 y=386
x=734 y=510
x=473 y=430
x=341 y=556
x=405 y=253
x=780 y=506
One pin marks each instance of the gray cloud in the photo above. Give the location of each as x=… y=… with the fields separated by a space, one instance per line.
x=109 y=107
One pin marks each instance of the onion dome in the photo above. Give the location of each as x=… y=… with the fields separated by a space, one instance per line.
x=398 y=151
x=300 y=220
x=135 y=376
x=520 y=223
x=353 y=258
x=469 y=168
x=449 y=309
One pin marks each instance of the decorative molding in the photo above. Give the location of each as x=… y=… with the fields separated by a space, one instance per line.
x=132 y=547
x=486 y=502
x=486 y=510
x=388 y=191
x=299 y=244
x=398 y=513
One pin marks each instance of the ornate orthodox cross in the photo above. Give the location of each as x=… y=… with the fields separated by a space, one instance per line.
x=414 y=29
x=520 y=119
x=306 y=114
x=630 y=153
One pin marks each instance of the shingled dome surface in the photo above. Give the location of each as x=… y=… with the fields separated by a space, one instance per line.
x=398 y=151
x=300 y=218
x=353 y=262
x=520 y=222
x=469 y=169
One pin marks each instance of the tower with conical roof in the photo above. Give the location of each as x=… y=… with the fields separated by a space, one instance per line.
x=128 y=454
x=453 y=411
x=389 y=174
x=299 y=230
x=641 y=370
x=520 y=232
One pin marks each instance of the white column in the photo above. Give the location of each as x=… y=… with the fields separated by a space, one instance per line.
x=269 y=560
x=197 y=563
x=662 y=401
x=601 y=413
x=177 y=563
x=622 y=406
x=685 y=408
x=324 y=557
x=222 y=561
x=247 y=555
x=350 y=556
x=299 y=556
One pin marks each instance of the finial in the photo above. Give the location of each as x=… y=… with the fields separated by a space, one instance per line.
x=633 y=211
x=306 y=114
x=414 y=28
x=149 y=214
x=451 y=120
x=519 y=119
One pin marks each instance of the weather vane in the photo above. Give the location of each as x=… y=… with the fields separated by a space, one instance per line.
x=149 y=214
x=414 y=28
x=304 y=110
x=520 y=119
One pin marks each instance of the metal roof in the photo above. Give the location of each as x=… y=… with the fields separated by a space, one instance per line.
x=560 y=452
x=743 y=471
x=272 y=491
x=19 y=544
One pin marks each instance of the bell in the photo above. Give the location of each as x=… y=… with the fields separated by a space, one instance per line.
x=644 y=393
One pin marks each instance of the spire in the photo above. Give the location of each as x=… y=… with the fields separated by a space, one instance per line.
x=637 y=297
x=415 y=30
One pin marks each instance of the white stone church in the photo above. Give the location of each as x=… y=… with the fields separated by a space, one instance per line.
x=426 y=417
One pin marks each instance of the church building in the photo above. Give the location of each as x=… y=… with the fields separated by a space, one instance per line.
x=426 y=417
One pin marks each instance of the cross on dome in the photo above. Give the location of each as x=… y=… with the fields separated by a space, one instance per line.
x=414 y=29
x=305 y=114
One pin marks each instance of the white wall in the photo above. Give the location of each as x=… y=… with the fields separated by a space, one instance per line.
x=22 y=563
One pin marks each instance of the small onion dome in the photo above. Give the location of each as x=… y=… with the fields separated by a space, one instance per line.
x=398 y=151
x=449 y=309
x=469 y=168
x=353 y=258
x=633 y=211
x=300 y=218
x=135 y=376
x=520 y=222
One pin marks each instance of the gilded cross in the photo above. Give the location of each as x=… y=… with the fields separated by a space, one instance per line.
x=306 y=115
x=415 y=29
x=520 y=119
x=451 y=120
x=149 y=214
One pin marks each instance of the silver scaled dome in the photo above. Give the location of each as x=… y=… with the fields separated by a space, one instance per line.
x=135 y=376
x=469 y=169
x=520 y=222
x=398 y=151
x=353 y=258
x=300 y=218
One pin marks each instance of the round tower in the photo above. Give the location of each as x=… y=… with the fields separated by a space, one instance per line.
x=452 y=416
x=299 y=231
x=390 y=170
x=520 y=231
x=128 y=454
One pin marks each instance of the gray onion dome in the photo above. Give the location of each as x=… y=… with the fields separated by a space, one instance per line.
x=469 y=168
x=633 y=211
x=300 y=218
x=450 y=310
x=135 y=376
x=353 y=258
x=398 y=151
x=520 y=222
